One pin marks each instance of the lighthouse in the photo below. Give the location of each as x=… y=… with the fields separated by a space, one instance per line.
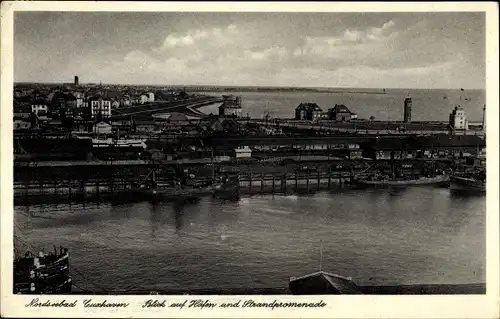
x=484 y=117
x=407 y=110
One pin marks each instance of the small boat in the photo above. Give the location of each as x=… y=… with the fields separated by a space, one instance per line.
x=42 y=274
x=440 y=179
x=173 y=192
x=474 y=183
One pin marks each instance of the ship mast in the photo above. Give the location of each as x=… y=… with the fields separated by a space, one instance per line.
x=321 y=256
x=212 y=162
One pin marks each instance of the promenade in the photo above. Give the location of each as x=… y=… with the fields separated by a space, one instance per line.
x=187 y=107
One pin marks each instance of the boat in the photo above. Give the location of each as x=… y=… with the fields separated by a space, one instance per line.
x=471 y=175
x=42 y=274
x=472 y=183
x=391 y=180
x=180 y=186
x=121 y=143
x=440 y=179
x=178 y=191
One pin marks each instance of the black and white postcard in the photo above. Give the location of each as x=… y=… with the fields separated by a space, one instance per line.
x=249 y=159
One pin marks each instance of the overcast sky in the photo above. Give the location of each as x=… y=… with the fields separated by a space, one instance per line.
x=379 y=50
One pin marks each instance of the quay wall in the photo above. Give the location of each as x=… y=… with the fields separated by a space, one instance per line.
x=103 y=178
x=43 y=191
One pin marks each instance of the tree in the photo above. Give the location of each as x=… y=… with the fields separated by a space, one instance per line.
x=372 y=118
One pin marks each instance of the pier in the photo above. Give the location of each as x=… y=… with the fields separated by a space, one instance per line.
x=360 y=128
x=94 y=179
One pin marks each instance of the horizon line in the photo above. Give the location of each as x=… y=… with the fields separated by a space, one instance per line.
x=255 y=86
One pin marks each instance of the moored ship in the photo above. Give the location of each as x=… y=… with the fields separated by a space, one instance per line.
x=471 y=176
x=42 y=274
x=179 y=186
x=386 y=182
x=177 y=191
x=470 y=183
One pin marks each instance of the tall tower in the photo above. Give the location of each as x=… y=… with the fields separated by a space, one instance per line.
x=484 y=117
x=407 y=110
x=76 y=80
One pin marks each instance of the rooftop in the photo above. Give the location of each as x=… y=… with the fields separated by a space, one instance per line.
x=308 y=106
x=340 y=108
x=323 y=283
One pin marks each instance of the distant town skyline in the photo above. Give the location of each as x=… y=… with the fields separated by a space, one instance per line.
x=315 y=50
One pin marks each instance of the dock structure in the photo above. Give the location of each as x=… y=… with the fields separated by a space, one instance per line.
x=95 y=179
x=361 y=127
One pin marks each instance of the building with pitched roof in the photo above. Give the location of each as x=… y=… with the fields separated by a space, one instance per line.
x=231 y=106
x=340 y=113
x=308 y=111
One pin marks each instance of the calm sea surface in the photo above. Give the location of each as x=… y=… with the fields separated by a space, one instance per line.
x=428 y=105
x=415 y=235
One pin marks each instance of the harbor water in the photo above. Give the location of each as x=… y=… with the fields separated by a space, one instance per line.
x=434 y=105
x=415 y=235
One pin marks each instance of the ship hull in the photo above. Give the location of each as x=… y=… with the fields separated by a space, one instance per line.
x=50 y=276
x=463 y=184
x=169 y=193
x=393 y=183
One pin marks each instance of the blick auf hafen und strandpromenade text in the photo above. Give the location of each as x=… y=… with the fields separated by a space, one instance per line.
x=163 y=303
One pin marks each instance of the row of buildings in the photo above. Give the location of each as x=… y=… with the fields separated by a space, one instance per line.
x=312 y=112
x=378 y=148
x=174 y=123
x=77 y=104
x=87 y=101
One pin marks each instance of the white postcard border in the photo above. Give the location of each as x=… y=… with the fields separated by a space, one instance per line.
x=459 y=306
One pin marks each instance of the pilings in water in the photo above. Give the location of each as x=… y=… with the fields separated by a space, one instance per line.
x=291 y=183
x=247 y=184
